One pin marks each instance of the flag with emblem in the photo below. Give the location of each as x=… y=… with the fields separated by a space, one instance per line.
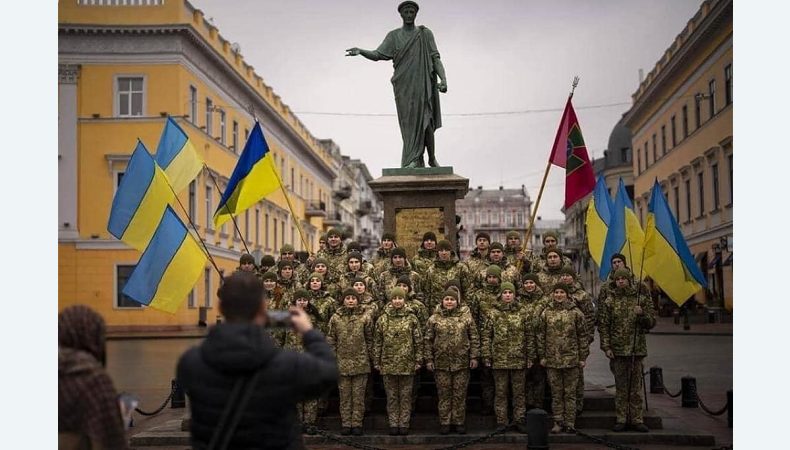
x=570 y=152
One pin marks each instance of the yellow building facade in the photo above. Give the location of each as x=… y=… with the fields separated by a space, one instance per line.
x=681 y=121
x=122 y=71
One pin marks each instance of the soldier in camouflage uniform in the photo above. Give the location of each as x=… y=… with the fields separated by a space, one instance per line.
x=445 y=267
x=267 y=262
x=331 y=281
x=381 y=261
x=368 y=303
x=286 y=282
x=398 y=267
x=514 y=252
x=246 y=263
x=367 y=266
x=562 y=348
x=287 y=253
x=533 y=300
x=550 y=242
x=452 y=347
x=426 y=254
x=351 y=337
x=583 y=301
x=416 y=307
x=476 y=261
x=324 y=302
x=398 y=354
x=496 y=256
x=504 y=350
x=308 y=409
x=624 y=317
x=276 y=303
x=353 y=270
x=619 y=262
x=335 y=253
x=482 y=302
x=550 y=272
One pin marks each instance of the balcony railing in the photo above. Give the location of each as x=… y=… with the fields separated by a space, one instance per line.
x=315 y=208
x=342 y=193
x=333 y=219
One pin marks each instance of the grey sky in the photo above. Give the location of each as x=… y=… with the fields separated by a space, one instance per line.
x=499 y=55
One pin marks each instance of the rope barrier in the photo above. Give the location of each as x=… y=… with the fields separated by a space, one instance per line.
x=712 y=413
x=158 y=410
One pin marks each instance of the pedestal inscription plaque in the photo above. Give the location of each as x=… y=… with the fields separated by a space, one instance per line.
x=412 y=223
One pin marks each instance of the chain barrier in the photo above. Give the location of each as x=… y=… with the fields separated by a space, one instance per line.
x=602 y=441
x=713 y=413
x=350 y=443
x=158 y=410
x=666 y=391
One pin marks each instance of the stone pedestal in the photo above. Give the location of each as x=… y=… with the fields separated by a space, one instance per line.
x=420 y=200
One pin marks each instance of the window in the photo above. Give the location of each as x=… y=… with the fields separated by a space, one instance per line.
x=276 y=247
x=714 y=174
x=624 y=155
x=519 y=219
x=122 y=274
x=246 y=134
x=676 y=193
x=701 y=188
x=235 y=137
x=688 y=200
x=674 y=131
x=655 y=153
x=209 y=207
x=193 y=102
x=712 y=97
x=191 y=299
x=209 y=109
x=647 y=164
x=130 y=96
x=728 y=84
x=222 y=126
x=293 y=180
x=257 y=226
x=207 y=287
x=663 y=140
x=266 y=230
x=638 y=162
x=192 y=200
x=685 y=121
x=282 y=232
x=697 y=120
x=729 y=160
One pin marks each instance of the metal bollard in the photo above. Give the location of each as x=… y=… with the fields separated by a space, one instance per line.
x=729 y=408
x=656 y=380
x=686 y=325
x=688 y=388
x=178 y=400
x=537 y=433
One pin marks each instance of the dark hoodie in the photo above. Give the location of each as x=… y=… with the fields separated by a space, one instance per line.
x=234 y=350
x=88 y=411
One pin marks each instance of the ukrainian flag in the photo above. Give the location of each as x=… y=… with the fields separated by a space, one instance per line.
x=599 y=212
x=254 y=177
x=140 y=200
x=624 y=236
x=668 y=259
x=177 y=156
x=168 y=268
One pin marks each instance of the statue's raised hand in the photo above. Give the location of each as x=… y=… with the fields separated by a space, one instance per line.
x=442 y=86
x=353 y=51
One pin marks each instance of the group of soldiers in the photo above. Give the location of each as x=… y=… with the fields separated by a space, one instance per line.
x=522 y=319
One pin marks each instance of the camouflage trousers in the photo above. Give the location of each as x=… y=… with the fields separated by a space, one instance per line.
x=516 y=380
x=352 y=399
x=580 y=392
x=487 y=389
x=624 y=403
x=452 y=387
x=307 y=411
x=563 y=394
x=398 y=388
x=536 y=386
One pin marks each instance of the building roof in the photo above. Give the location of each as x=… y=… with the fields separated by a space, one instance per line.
x=496 y=194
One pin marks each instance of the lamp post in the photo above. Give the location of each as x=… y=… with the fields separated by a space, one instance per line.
x=718 y=249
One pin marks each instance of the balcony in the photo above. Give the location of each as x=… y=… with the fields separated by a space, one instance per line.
x=364 y=208
x=333 y=219
x=315 y=208
x=342 y=193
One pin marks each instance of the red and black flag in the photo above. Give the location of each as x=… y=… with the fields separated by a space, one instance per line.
x=570 y=152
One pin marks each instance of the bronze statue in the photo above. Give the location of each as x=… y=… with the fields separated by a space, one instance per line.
x=413 y=52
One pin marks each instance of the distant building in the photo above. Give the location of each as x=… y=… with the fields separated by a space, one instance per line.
x=495 y=211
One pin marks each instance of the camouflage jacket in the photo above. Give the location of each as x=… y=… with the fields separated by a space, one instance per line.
x=351 y=337
x=387 y=280
x=301 y=271
x=504 y=337
x=484 y=301
x=562 y=336
x=292 y=339
x=617 y=322
x=418 y=308
x=476 y=262
x=548 y=277
x=381 y=261
x=397 y=342
x=512 y=256
x=538 y=261
x=285 y=290
x=608 y=286
x=423 y=261
x=439 y=274
x=533 y=303
x=344 y=282
x=509 y=273
x=336 y=259
x=583 y=301
x=451 y=340
x=326 y=306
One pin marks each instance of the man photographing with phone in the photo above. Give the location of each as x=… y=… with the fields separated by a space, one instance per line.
x=243 y=390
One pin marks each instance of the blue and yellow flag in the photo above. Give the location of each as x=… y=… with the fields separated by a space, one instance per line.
x=169 y=267
x=140 y=200
x=624 y=236
x=668 y=259
x=177 y=156
x=599 y=213
x=254 y=177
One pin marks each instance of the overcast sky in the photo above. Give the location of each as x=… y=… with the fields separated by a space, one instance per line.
x=511 y=56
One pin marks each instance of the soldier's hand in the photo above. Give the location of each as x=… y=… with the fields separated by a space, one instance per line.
x=582 y=364
x=543 y=362
x=429 y=366
x=609 y=354
x=417 y=367
x=638 y=310
x=487 y=363
x=473 y=363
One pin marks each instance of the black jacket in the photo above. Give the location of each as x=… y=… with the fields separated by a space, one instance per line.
x=208 y=373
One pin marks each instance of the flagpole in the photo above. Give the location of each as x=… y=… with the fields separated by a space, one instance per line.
x=291 y=208
x=232 y=218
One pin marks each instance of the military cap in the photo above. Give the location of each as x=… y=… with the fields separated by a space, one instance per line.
x=507 y=286
x=301 y=293
x=271 y=276
x=453 y=283
x=408 y=3
x=429 y=236
x=387 y=236
x=398 y=252
x=554 y=250
x=316 y=275
x=566 y=270
x=563 y=287
x=246 y=259
x=350 y=291
x=333 y=232
x=444 y=244
x=513 y=234
x=283 y=264
x=550 y=233
x=396 y=292
x=321 y=260
x=287 y=248
x=450 y=293
x=619 y=256
x=622 y=273
x=494 y=270
x=531 y=276
x=497 y=246
x=322 y=237
x=404 y=279
x=483 y=234
x=354 y=255
x=354 y=245
x=267 y=260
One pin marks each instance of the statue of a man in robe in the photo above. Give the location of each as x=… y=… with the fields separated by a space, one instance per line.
x=413 y=52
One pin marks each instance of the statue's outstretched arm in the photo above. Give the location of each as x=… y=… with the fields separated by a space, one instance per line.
x=372 y=55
